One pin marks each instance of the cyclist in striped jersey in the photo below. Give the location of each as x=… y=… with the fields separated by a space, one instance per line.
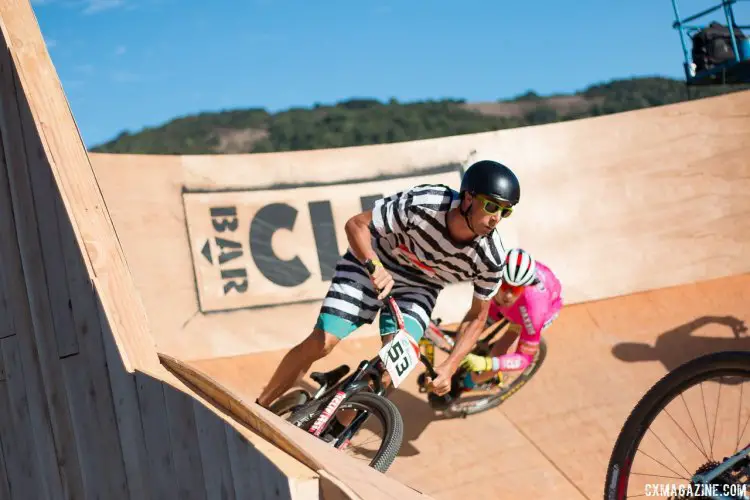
x=420 y=240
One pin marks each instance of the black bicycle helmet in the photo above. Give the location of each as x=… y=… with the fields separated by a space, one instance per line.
x=492 y=179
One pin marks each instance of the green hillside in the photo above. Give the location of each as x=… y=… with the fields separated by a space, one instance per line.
x=367 y=121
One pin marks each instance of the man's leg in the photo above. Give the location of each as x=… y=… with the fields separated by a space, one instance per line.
x=351 y=301
x=296 y=363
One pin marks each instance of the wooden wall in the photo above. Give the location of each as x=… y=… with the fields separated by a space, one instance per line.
x=80 y=416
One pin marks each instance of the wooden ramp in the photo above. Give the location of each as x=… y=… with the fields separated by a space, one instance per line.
x=134 y=378
x=87 y=410
x=615 y=204
x=553 y=438
x=642 y=215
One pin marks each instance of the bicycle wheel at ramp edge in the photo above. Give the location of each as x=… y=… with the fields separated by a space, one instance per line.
x=724 y=363
x=382 y=408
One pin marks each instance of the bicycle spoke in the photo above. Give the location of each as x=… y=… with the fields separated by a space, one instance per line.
x=716 y=415
x=655 y=475
x=669 y=451
x=686 y=434
x=660 y=463
x=739 y=415
x=705 y=414
x=697 y=434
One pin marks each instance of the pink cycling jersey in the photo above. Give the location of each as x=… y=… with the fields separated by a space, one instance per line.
x=534 y=310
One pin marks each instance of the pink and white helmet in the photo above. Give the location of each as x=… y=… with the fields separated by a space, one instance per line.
x=520 y=268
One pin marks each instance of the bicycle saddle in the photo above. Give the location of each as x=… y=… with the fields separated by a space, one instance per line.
x=331 y=377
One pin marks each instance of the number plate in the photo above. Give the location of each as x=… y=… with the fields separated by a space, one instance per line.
x=400 y=357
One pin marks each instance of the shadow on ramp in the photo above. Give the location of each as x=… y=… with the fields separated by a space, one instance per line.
x=674 y=347
x=417 y=415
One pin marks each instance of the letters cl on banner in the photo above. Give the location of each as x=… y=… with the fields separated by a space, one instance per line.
x=277 y=246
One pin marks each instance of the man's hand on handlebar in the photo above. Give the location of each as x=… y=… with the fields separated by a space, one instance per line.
x=442 y=384
x=381 y=278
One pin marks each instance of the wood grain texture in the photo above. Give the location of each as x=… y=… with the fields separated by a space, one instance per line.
x=617 y=205
x=609 y=203
x=362 y=481
x=88 y=410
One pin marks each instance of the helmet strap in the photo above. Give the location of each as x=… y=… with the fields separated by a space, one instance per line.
x=465 y=213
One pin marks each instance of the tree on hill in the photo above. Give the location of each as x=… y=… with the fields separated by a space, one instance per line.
x=362 y=121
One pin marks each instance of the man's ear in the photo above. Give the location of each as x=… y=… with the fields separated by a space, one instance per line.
x=466 y=201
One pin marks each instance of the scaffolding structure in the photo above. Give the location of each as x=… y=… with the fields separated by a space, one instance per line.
x=732 y=71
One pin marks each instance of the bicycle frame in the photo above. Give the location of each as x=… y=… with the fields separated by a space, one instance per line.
x=706 y=478
x=368 y=372
x=427 y=345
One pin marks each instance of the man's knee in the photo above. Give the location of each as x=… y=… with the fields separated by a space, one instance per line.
x=318 y=344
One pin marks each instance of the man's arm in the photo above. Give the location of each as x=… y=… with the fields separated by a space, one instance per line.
x=360 y=241
x=470 y=329
x=468 y=332
x=357 y=231
x=389 y=215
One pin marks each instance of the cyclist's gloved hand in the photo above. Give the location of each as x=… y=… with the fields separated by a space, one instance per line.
x=474 y=363
x=382 y=279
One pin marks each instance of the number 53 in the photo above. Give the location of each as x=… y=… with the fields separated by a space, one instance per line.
x=394 y=354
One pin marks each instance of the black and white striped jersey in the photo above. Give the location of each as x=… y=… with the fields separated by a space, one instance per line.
x=410 y=235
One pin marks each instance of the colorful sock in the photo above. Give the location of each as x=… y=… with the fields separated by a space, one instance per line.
x=467 y=381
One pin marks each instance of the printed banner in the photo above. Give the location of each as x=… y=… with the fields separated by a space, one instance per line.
x=277 y=246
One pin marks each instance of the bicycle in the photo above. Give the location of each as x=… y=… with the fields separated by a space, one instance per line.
x=713 y=479
x=444 y=339
x=314 y=412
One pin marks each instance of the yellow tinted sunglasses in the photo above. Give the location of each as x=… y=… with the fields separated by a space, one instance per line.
x=492 y=207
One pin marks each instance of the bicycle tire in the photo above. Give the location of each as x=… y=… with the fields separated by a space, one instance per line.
x=494 y=400
x=654 y=400
x=378 y=405
x=290 y=401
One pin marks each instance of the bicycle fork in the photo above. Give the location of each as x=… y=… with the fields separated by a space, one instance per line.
x=375 y=368
x=429 y=351
x=354 y=384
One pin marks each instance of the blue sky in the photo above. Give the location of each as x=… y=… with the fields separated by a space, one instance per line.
x=127 y=64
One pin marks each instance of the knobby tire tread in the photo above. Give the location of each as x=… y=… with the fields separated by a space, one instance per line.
x=392 y=421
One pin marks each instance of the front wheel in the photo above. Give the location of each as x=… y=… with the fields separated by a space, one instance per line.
x=386 y=416
x=702 y=438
